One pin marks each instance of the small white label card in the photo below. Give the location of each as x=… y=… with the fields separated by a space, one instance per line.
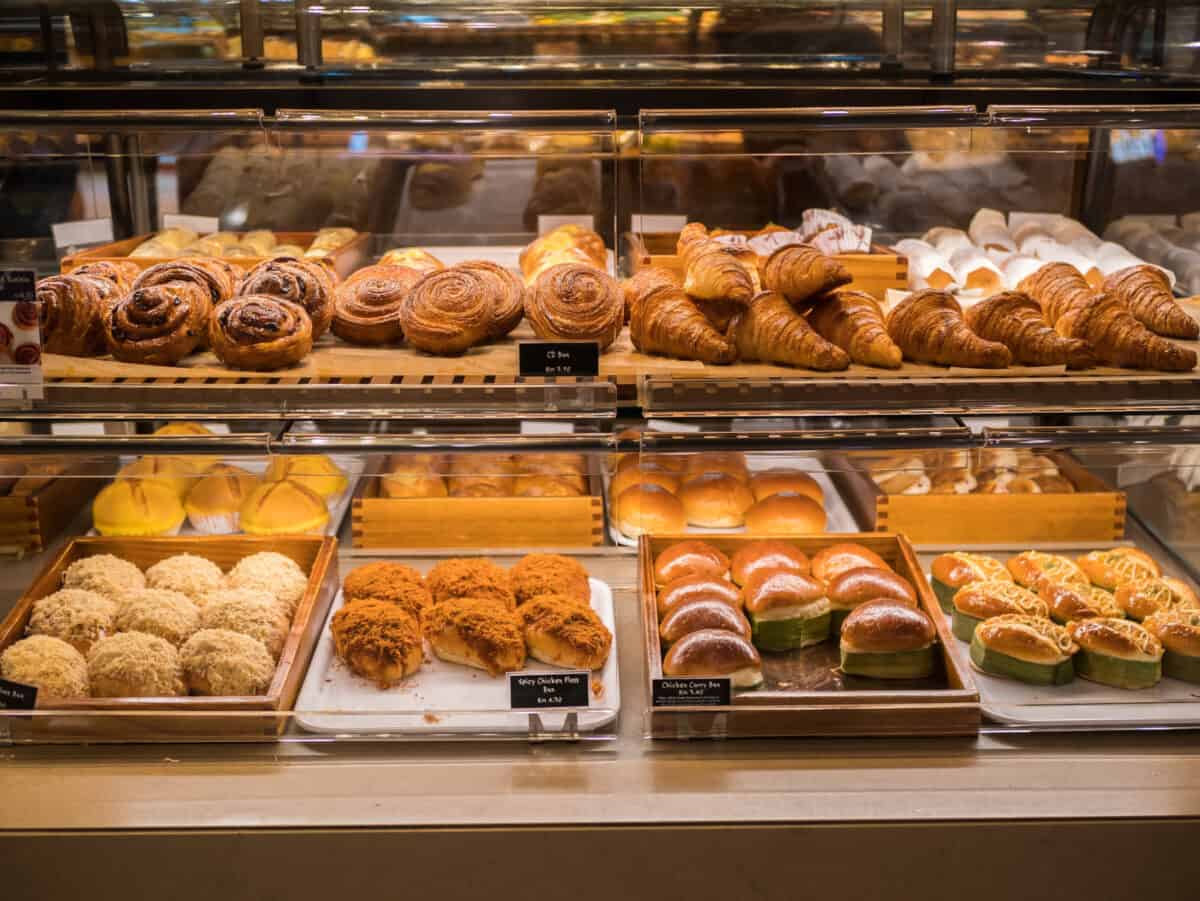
x=657 y=223
x=81 y=233
x=549 y=223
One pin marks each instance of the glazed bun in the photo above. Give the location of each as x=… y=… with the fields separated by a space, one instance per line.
x=715 y=500
x=786 y=514
x=785 y=481
x=1116 y=638
x=715 y=652
x=768 y=589
x=696 y=588
x=828 y=563
x=648 y=509
x=643 y=474
x=885 y=626
x=763 y=555
x=853 y=587
x=1029 y=638
x=693 y=616
x=689 y=558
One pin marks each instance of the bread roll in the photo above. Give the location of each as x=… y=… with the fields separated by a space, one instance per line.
x=1143 y=597
x=852 y=587
x=772 y=591
x=1115 y=638
x=1031 y=568
x=715 y=652
x=1068 y=601
x=701 y=613
x=643 y=474
x=476 y=633
x=828 y=563
x=689 y=558
x=1178 y=631
x=983 y=600
x=715 y=500
x=412 y=485
x=562 y=632
x=1110 y=569
x=785 y=514
x=887 y=626
x=731 y=464
x=648 y=509
x=959 y=568
x=544 y=486
x=758 y=556
x=1028 y=638
x=790 y=481
x=693 y=588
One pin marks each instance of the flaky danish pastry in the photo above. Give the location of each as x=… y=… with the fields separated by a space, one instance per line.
x=366 y=307
x=215 y=276
x=121 y=273
x=306 y=282
x=448 y=311
x=576 y=302
x=771 y=331
x=505 y=294
x=260 y=332
x=72 y=310
x=799 y=271
x=158 y=324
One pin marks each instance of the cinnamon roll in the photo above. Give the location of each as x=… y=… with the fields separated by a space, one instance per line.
x=215 y=276
x=576 y=302
x=366 y=307
x=121 y=273
x=71 y=310
x=506 y=295
x=157 y=323
x=306 y=282
x=260 y=332
x=447 y=312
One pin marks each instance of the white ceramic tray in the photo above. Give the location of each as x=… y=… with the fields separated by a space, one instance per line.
x=1079 y=704
x=445 y=698
x=838 y=517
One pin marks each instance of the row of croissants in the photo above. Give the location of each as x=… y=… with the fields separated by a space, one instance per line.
x=269 y=318
x=792 y=308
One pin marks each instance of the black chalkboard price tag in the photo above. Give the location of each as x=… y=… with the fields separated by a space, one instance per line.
x=19 y=285
x=15 y=696
x=691 y=692
x=555 y=358
x=545 y=691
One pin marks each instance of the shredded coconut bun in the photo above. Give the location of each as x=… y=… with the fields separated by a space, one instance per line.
x=256 y=614
x=219 y=595
x=186 y=573
x=157 y=611
x=57 y=669
x=104 y=574
x=78 y=617
x=273 y=572
x=134 y=665
x=224 y=663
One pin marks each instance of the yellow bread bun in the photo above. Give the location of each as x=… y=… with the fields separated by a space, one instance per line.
x=282 y=508
x=316 y=472
x=214 y=503
x=137 y=507
x=193 y=430
x=171 y=471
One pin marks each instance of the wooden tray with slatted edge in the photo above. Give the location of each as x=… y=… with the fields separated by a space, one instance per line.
x=29 y=522
x=183 y=718
x=873 y=272
x=1094 y=512
x=950 y=709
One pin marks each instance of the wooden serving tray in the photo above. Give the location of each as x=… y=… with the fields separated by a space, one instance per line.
x=873 y=272
x=344 y=260
x=946 y=704
x=29 y=522
x=194 y=718
x=1095 y=512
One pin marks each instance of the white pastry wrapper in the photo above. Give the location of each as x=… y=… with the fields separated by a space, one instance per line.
x=814 y=220
x=1020 y=267
x=732 y=239
x=215 y=523
x=765 y=245
x=986 y=221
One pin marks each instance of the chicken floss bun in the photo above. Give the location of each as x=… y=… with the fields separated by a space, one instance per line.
x=786 y=514
x=648 y=510
x=886 y=639
x=715 y=652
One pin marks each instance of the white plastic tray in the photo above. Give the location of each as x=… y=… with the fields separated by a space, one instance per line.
x=445 y=698
x=838 y=517
x=1079 y=704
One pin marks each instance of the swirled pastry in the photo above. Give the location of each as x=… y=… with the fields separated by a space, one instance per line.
x=576 y=302
x=72 y=310
x=158 y=323
x=306 y=282
x=260 y=332
x=366 y=307
x=447 y=312
x=121 y=273
x=505 y=294
x=215 y=276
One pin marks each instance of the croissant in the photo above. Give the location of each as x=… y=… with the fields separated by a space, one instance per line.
x=770 y=330
x=1110 y=330
x=663 y=320
x=690 y=235
x=72 y=310
x=158 y=323
x=576 y=302
x=448 y=311
x=929 y=327
x=854 y=322
x=798 y=272
x=366 y=307
x=306 y=282
x=1015 y=320
x=504 y=291
x=714 y=272
x=1147 y=293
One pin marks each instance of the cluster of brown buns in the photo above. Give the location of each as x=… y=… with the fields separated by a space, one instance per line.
x=485 y=475
x=472 y=612
x=183 y=626
x=706 y=601
x=990 y=471
x=666 y=493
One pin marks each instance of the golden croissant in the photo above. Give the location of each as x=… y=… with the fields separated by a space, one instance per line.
x=663 y=320
x=717 y=272
x=854 y=322
x=929 y=327
x=1146 y=291
x=771 y=331
x=799 y=271
x=1015 y=320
